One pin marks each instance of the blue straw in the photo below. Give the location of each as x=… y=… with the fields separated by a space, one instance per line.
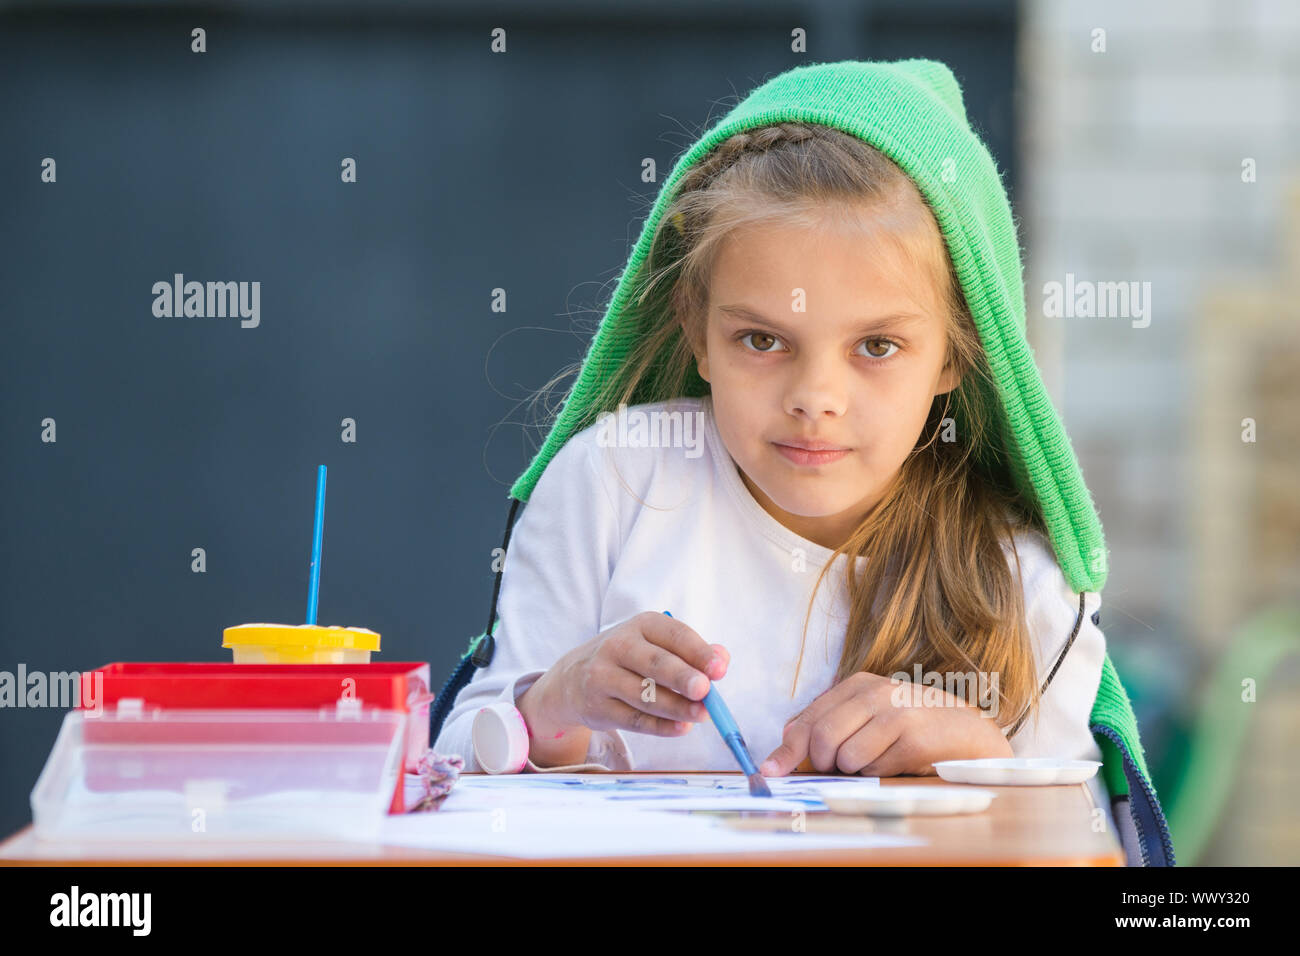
x=313 y=588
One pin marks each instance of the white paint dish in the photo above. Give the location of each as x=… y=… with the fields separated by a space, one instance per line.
x=904 y=801
x=1017 y=771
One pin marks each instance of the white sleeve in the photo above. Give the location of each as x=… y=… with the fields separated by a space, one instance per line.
x=561 y=556
x=1065 y=708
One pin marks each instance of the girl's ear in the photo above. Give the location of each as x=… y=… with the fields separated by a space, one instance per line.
x=700 y=350
x=702 y=365
x=949 y=380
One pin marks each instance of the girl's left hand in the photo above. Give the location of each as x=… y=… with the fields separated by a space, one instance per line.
x=880 y=727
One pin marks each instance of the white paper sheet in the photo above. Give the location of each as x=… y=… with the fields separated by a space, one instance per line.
x=640 y=791
x=600 y=814
x=534 y=833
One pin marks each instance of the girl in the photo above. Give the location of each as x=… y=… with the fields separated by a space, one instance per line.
x=810 y=427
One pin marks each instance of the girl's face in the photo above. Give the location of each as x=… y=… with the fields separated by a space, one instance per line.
x=855 y=369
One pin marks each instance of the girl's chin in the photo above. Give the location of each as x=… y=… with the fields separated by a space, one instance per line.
x=804 y=506
x=801 y=498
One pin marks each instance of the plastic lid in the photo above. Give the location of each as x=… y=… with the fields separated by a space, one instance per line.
x=500 y=738
x=301 y=635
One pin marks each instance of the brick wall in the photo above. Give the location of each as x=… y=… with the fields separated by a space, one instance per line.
x=1132 y=163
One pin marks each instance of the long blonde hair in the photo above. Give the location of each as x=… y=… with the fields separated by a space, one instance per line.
x=943 y=597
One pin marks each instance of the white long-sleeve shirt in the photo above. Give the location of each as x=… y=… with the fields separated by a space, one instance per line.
x=611 y=531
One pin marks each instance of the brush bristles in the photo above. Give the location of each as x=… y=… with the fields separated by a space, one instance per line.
x=758 y=786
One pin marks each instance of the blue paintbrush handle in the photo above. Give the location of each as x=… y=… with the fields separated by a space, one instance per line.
x=726 y=724
x=717 y=709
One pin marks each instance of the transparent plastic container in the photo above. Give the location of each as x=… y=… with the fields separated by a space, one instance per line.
x=300 y=644
x=280 y=654
x=208 y=685
x=137 y=773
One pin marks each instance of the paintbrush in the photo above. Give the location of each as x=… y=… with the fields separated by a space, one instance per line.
x=726 y=725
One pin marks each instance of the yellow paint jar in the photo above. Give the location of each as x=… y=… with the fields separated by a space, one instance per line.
x=300 y=644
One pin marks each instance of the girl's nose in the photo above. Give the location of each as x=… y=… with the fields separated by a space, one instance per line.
x=818 y=387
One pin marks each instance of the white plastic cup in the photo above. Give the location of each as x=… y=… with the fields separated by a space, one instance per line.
x=500 y=738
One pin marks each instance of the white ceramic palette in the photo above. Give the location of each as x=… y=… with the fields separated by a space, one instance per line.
x=1017 y=771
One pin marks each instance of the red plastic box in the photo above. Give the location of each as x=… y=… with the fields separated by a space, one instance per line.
x=392 y=685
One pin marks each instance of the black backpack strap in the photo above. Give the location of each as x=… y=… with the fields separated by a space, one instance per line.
x=480 y=653
x=1078 y=622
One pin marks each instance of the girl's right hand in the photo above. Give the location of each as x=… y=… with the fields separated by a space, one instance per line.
x=646 y=675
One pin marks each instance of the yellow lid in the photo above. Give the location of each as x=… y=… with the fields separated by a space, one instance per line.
x=301 y=635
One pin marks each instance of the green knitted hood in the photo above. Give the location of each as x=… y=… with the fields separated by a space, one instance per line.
x=912 y=111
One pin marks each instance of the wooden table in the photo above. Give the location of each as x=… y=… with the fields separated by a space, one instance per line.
x=1025 y=826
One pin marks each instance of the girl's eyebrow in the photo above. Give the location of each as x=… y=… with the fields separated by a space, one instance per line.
x=879 y=323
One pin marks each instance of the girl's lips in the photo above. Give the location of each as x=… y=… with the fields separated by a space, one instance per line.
x=801 y=456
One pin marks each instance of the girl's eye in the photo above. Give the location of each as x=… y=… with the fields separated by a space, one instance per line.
x=763 y=341
x=879 y=342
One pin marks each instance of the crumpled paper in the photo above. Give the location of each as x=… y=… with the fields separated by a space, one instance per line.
x=438 y=774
